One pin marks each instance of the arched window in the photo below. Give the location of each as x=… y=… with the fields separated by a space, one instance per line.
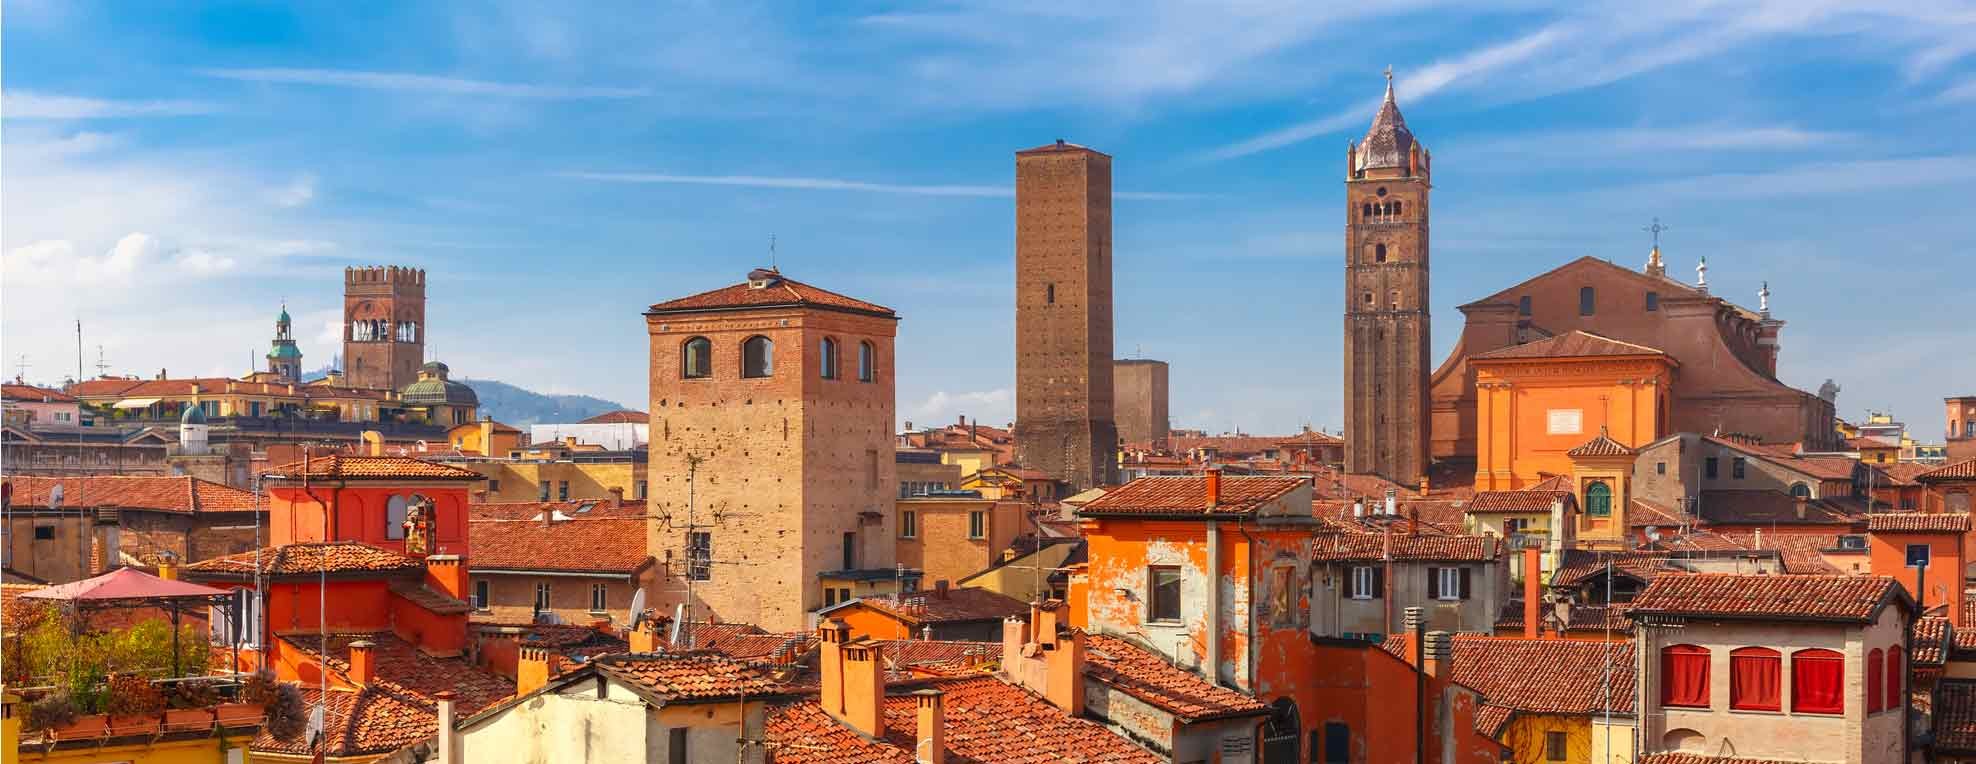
x=1598 y=500
x=867 y=364
x=1523 y=305
x=1368 y=298
x=1801 y=490
x=829 y=358
x=757 y=357
x=696 y=359
x=1586 y=298
x=1684 y=676
x=1365 y=210
x=394 y=517
x=1896 y=672
x=1050 y=294
x=1876 y=694
x=1818 y=682
x=1756 y=679
x=1379 y=253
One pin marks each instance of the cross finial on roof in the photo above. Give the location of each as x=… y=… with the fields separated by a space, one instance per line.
x=1389 y=75
x=1655 y=229
x=771 y=252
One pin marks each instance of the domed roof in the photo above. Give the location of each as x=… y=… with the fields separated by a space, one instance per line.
x=283 y=318
x=285 y=350
x=194 y=414
x=433 y=388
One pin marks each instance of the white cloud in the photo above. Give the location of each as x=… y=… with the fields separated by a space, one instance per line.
x=1815 y=178
x=995 y=407
x=839 y=184
x=298 y=191
x=402 y=82
x=1959 y=92
x=29 y=104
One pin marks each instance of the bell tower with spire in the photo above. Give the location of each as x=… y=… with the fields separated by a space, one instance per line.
x=284 y=359
x=1387 y=348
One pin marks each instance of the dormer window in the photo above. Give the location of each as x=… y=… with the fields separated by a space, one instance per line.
x=763 y=278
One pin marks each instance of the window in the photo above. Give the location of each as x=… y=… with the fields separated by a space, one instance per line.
x=1337 y=743
x=977 y=524
x=44 y=533
x=1163 y=604
x=1817 y=682
x=829 y=596
x=1379 y=253
x=1896 y=673
x=544 y=494
x=1756 y=679
x=1800 y=490
x=1283 y=594
x=394 y=517
x=699 y=555
x=1554 y=746
x=493 y=486
x=562 y=490
x=1712 y=467
x=1399 y=207
x=1875 y=690
x=867 y=368
x=1738 y=467
x=1653 y=301
x=1050 y=294
x=1586 y=300
x=697 y=359
x=1523 y=305
x=599 y=598
x=757 y=357
x=908 y=524
x=1598 y=500
x=676 y=746
x=1918 y=555
x=541 y=596
x=1447 y=583
x=851 y=551
x=1368 y=298
x=829 y=358
x=1367 y=582
x=1660 y=468
x=639 y=490
x=480 y=594
x=1515 y=525
x=1684 y=676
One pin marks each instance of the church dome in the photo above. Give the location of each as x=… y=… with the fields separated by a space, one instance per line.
x=283 y=318
x=194 y=414
x=433 y=388
x=286 y=351
x=1388 y=142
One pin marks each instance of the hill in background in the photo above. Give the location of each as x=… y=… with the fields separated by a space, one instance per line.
x=520 y=407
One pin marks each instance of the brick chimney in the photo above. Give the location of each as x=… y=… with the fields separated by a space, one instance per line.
x=617 y=496
x=831 y=636
x=1044 y=658
x=534 y=670
x=1533 y=581
x=1214 y=486
x=447 y=573
x=363 y=665
x=864 y=687
x=931 y=747
x=1800 y=503
x=1066 y=668
x=1416 y=616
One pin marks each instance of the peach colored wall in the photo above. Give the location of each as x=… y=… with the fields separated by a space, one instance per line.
x=1944 y=576
x=1514 y=447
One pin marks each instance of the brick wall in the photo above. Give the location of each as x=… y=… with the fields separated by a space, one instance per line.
x=1141 y=400
x=1387 y=342
x=511 y=598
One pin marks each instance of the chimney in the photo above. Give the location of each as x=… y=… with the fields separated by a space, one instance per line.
x=940 y=589
x=1065 y=688
x=168 y=570
x=534 y=670
x=1423 y=486
x=1358 y=508
x=1214 y=487
x=645 y=638
x=449 y=751
x=1801 y=502
x=373 y=443
x=1533 y=560
x=1439 y=648
x=864 y=687
x=363 y=666
x=1392 y=502
x=447 y=573
x=1413 y=521
x=617 y=496
x=931 y=748
x=1049 y=620
x=1416 y=620
x=831 y=636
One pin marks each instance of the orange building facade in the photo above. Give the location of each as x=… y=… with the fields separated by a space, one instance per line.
x=1538 y=401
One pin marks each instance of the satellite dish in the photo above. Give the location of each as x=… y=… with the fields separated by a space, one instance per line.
x=1653 y=534
x=678 y=620
x=637 y=607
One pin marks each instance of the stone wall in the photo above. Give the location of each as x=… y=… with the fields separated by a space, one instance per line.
x=1064 y=413
x=1140 y=396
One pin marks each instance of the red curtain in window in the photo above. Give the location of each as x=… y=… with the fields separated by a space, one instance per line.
x=1756 y=679
x=1875 y=692
x=1684 y=676
x=1817 y=682
x=1896 y=672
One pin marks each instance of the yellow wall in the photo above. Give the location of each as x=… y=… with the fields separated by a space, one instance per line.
x=521 y=481
x=1526 y=733
x=969 y=461
x=1514 y=401
x=1018 y=578
x=199 y=751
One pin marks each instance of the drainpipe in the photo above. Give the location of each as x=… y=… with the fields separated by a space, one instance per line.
x=1214 y=604
x=1250 y=659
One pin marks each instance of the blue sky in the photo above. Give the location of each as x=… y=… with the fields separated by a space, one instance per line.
x=172 y=172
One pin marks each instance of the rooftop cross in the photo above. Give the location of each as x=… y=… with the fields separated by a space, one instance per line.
x=1655 y=229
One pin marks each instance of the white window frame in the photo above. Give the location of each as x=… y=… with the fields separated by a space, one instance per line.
x=908 y=524
x=1362 y=576
x=542 y=596
x=481 y=590
x=977 y=524
x=600 y=598
x=1450 y=584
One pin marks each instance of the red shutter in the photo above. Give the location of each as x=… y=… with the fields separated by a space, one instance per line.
x=1756 y=677
x=1896 y=674
x=1817 y=682
x=1875 y=692
x=1684 y=676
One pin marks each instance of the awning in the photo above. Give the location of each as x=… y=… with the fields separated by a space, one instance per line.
x=135 y=403
x=123 y=584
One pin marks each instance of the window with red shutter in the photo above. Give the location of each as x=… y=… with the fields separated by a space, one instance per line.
x=1875 y=692
x=1684 y=676
x=1818 y=682
x=1756 y=679
x=1896 y=672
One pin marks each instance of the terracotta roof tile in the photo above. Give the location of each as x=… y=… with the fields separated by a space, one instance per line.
x=401 y=665
x=1486 y=502
x=1187 y=495
x=1820 y=467
x=372 y=721
x=1351 y=546
x=704 y=634
x=1867 y=444
x=308 y=558
x=1581 y=565
x=582 y=509
x=781 y=291
x=1603 y=445
x=1570 y=344
x=1808 y=597
x=1900 y=473
x=1490 y=719
x=1962 y=470
x=1917 y=522
x=1955 y=716
x=1768 y=507
x=620 y=416
x=34 y=394
x=345 y=466
x=179 y=494
x=1931 y=640
x=1644 y=513
x=961 y=603
x=167 y=388
x=1149 y=677
x=755 y=647
x=988 y=722
x=1574 y=679
x=603 y=545
x=691 y=676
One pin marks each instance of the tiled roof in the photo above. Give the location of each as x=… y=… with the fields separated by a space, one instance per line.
x=1962 y=470
x=424 y=596
x=34 y=394
x=180 y=494
x=1573 y=680
x=309 y=558
x=781 y=291
x=568 y=640
x=1353 y=546
x=988 y=722
x=169 y=388
x=1584 y=618
x=581 y=509
x=402 y=665
x=1820 y=467
x=1900 y=473
x=1570 y=344
x=605 y=545
x=1603 y=445
x=620 y=416
x=1785 y=597
x=345 y=466
x=1682 y=757
x=1581 y=565
x=1955 y=716
x=703 y=634
x=961 y=603
x=1931 y=640
x=1861 y=444
x=1490 y=719
x=755 y=647
x=1187 y=495
x=1768 y=507
x=373 y=721
x=1918 y=522
x=1437 y=516
x=693 y=676
x=1643 y=513
x=1147 y=676
x=1515 y=501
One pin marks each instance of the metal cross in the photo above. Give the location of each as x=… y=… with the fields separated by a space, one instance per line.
x=1389 y=72
x=771 y=251
x=1655 y=229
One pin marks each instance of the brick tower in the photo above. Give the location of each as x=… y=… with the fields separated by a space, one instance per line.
x=383 y=326
x=1063 y=314
x=772 y=415
x=1386 y=327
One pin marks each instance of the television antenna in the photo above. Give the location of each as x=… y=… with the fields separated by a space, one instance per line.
x=20 y=369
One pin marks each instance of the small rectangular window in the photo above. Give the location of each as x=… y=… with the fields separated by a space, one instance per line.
x=977 y=524
x=829 y=596
x=908 y=524
x=1653 y=301
x=1660 y=468
x=1737 y=468
x=545 y=491
x=1587 y=301
x=1554 y=746
x=480 y=594
x=1918 y=555
x=1366 y=582
x=676 y=746
x=493 y=486
x=44 y=532
x=1447 y=583
x=871 y=469
x=1163 y=584
x=1712 y=467
x=541 y=596
x=699 y=555
x=1337 y=743
x=562 y=490
x=599 y=598
x=639 y=491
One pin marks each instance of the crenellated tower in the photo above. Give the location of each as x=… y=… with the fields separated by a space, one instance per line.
x=383 y=326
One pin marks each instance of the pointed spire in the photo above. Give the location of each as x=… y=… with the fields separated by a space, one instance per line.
x=1388 y=143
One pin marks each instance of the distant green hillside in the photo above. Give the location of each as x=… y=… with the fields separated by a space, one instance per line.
x=513 y=405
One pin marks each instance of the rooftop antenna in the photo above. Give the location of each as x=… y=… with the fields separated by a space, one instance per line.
x=20 y=369
x=102 y=366
x=771 y=253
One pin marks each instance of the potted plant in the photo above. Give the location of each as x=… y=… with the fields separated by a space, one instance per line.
x=190 y=704
x=133 y=704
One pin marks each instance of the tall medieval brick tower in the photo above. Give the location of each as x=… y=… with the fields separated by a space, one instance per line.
x=771 y=460
x=383 y=326
x=1063 y=314
x=1386 y=327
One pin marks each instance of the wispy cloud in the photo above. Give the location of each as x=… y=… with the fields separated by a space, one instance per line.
x=1580 y=146
x=402 y=82
x=29 y=104
x=839 y=184
x=1959 y=92
x=1818 y=178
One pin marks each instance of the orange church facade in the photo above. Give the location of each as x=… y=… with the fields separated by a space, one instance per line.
x=1538 y=401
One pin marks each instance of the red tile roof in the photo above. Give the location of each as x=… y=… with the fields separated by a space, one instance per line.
x=401 y=665
x=1820 y=467
x=1900 y=473
x=1186 y=495
x=1769 y=507
x=1865 y=444
x=344 y=466
x=533 y=510
x=1570 y=344
x=1148 y=677
x=34 y=394
x=1581 y=565
x=620 y=416
x=1780 y=597
x=1962 y=470
x=1486 y=502
x=168 y=388
x=960 y=604
x=1644 y=513
x=178 y=494
x=584 y=545
x=373 y=721
x=703 y=634
x=1350 y=546
x=1931 y=640
x=1603 y=445
x=988 y=722
x=1579 y=677
x=1918 y=522
x=1955 y=716
x=781 y=291
x=688 y=677
x=308 y=559
x=756 y=647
